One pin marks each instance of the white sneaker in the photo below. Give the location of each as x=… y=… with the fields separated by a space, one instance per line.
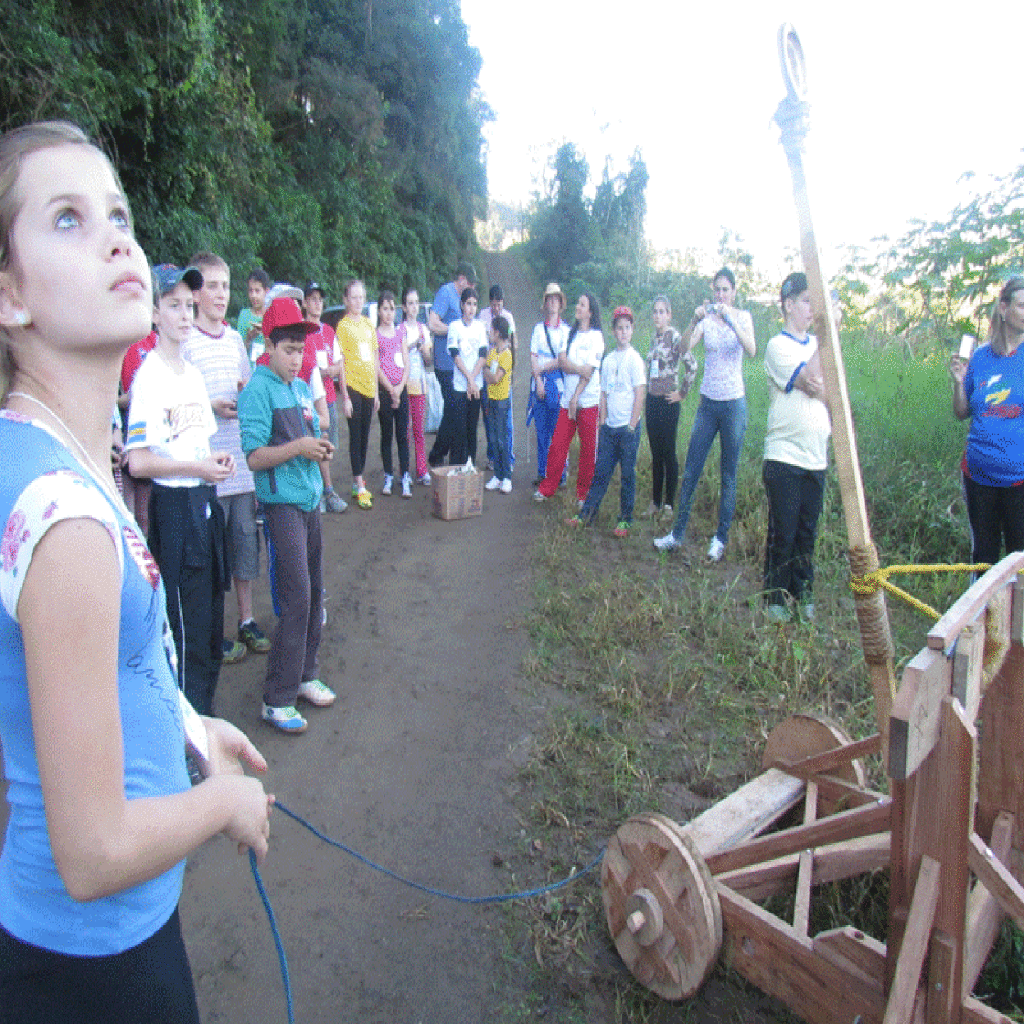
x=287 y=719
x=537 y=496
x=666 y=543
x=506 y=486
x=388 y=481
x=493 y=484
x=315 y=693
x=425 y=480
x=406 y=485
x=715 y=550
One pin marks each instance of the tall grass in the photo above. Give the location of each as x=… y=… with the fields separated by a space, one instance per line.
x=668 y=678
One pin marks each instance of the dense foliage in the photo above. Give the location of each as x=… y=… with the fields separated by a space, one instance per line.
x=938 y=280
x=318 y=138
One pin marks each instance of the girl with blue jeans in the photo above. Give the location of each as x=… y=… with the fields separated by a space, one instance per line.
x=728 y=334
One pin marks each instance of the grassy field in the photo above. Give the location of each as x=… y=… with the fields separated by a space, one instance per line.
x=663 y=677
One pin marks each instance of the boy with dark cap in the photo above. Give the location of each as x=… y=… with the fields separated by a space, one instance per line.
x=170 y=423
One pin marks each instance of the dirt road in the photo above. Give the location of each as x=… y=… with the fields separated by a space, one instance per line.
x=411 y=767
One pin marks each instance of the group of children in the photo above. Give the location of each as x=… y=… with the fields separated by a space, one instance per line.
x=225 y=425
x=214 y=437
x=602 y=396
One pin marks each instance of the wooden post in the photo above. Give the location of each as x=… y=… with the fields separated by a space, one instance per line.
x=876 y=639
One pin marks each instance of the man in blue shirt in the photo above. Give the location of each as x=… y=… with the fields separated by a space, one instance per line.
x=447 y=308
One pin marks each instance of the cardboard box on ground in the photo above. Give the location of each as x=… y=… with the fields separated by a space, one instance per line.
x=458 y=494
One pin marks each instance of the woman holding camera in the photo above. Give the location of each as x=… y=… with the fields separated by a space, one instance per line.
x=728 y=334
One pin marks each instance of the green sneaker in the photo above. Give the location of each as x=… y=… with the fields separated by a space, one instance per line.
x=253 y=637
x=621 y=528
x=234 y=652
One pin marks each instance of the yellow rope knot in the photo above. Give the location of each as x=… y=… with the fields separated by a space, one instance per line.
x=871 y=582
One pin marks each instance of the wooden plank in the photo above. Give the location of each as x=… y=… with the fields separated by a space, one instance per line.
x=824 y=763
x=974 y=1011
x=996 y=877
x=914 y=728
x=938 y=824
x=861 y=821
x=952 y=811
x=984 y=916
x=831 y=864
x=968 y=661
x=802 y=904
x=855 y=953
x=942 y=1000
x=900 y=879
x=915 y=944
x=747 y=812
x=772 y=956
x=972 y=602
x=1017 y=613
x=1001 y=764
x=998 y=626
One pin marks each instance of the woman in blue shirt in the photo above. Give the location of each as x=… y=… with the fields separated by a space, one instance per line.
x=989 y=391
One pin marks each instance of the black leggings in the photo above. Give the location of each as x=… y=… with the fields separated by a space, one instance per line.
x=359 y=430
x=394 y=421
x=151 y=983
x=662 y=425
x=995 y=514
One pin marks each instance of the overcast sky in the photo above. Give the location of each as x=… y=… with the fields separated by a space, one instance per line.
x=905 y=97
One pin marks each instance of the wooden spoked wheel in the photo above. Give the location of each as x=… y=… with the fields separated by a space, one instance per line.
x=661 y=906
x=804 y=736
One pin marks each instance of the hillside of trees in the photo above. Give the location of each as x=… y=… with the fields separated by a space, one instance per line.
x=317 y=138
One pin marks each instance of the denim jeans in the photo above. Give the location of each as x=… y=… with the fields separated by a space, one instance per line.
x=496 y=418
x=489 y=432
x=728 y=419
x=614 y=445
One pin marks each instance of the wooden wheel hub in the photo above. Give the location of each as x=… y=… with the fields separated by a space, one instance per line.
x=661 y=906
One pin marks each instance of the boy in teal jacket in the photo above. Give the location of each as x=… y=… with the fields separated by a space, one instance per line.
x=283 y=447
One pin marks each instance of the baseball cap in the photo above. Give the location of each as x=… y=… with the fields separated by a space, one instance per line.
x=312 y=287
x=167 y=277
x=283 y=312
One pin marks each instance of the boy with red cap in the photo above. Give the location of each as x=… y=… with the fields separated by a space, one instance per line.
x=283 y=447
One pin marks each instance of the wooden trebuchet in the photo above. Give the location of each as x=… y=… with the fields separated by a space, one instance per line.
x=950 y=835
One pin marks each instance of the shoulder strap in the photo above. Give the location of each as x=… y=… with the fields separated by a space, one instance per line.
x=551 y=348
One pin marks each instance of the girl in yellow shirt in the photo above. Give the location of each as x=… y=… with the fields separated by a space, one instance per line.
x=358 y=341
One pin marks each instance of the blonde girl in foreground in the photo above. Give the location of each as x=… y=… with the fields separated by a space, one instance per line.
x=102 y=815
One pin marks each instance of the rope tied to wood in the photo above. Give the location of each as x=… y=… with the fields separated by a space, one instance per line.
x=875 y=636
x=868 y=580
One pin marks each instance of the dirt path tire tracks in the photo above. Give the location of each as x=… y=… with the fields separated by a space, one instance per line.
x=411 y=767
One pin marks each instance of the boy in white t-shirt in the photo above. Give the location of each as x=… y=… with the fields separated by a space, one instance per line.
x=170 y=423
x=623 y=390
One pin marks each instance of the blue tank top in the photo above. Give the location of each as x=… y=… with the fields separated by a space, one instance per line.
x=44 y=485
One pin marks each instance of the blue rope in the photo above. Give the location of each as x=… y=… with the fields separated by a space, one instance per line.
x=285 y=977
x=500 y=898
